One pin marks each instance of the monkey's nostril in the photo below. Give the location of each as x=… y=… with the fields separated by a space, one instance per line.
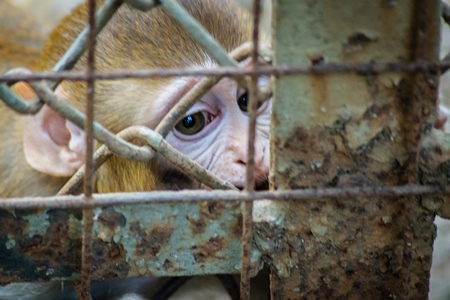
x=241 y=162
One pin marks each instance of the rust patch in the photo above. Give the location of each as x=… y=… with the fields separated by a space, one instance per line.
x=12 y=225
x=359 y=38
x=198 y=226
x=207 y=211
x=236 y=228
x=209 y=250
x=211 y=210
x=108 y=254
x=39 y=256
x=357 y=42
x=167 y=265
x=111 y=219
x=149 y=244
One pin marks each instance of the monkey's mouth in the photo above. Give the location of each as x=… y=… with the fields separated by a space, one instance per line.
x=260 y=186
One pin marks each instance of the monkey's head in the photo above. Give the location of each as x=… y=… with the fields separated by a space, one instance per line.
x=213 y=132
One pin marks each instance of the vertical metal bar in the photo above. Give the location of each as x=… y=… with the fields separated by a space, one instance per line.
x=247 y=212
x=418 y=112
x=89 y=167
x=90 y=92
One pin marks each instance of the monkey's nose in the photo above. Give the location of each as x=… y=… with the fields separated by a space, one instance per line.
x=262 y=185
x=240 y=162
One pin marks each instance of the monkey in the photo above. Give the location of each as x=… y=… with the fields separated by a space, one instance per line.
x=58 y=150
x=212 y=133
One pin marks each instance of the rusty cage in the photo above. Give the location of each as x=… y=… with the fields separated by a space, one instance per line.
x=358 y=172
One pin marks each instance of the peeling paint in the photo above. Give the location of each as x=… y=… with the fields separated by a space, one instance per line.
x=134 y=240
x=349 y=130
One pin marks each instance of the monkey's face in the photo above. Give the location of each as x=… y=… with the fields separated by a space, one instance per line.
x=214 y=133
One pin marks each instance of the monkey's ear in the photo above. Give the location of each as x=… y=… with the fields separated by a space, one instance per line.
x=52 y=144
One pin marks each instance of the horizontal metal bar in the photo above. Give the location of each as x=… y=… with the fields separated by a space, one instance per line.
x=361 y=69
x=128 y=241
x=100 y=200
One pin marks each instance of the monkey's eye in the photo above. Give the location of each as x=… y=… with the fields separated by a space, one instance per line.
x=243 y=102
x=192 y=124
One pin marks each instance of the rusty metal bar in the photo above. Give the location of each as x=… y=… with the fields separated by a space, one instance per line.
x=100 y=200
x=247 y=207
x=84 y=290
x=90 y=95
x=416 y=119
x=328 y=145
x=421 y=112
x=128 y=241
x=280 y=70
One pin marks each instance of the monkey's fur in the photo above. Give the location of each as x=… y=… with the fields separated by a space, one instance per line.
x=132 y=39
x=20 y=45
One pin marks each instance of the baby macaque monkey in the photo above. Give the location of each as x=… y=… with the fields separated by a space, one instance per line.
x=213 y=132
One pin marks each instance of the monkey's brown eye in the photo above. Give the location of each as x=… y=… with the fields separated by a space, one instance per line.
x=243 y=102
x=192 y=124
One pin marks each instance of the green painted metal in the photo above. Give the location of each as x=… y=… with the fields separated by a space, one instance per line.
x=128 y=241
x=346 y=130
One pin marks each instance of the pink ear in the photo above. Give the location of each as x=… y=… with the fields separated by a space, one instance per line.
x=52 y=145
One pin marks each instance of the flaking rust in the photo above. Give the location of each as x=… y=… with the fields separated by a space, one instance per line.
x=347 y=130
x=128 y=241
x=29 y=254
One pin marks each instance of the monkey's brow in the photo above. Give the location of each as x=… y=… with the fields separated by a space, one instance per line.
x=173 y=100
